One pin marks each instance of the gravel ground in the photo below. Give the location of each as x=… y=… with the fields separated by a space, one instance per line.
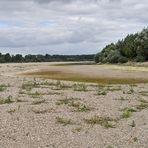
x=39 y=113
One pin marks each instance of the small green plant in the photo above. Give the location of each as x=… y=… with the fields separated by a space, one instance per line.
x=126 y=112
x=77 y=129
x=133 y=85
x=109 y=146
x=142 y=106
x=144 y=93
x=73 y=102
x=11 y=111
x=80 y=87
x=22 y=92
x=7 y=101
x=66 y=101
x=59 y=86
x=38 y=102
x=79 y=107
x=63 y=121
x=143 y=101
x=47 y=83
x=40 y=111
x=101 y=92
x=131 y=91
x=135 y=139
x=118 y=88
x=35 y=95
x=30 y=85
x=52 y=93
x=20 y=100
x=3 y=87
x=107 y=122
x=121 y=99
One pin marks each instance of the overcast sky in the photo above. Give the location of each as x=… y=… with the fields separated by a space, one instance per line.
x=67 y=26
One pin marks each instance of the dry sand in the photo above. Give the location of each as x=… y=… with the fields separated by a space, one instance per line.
x=39 y=116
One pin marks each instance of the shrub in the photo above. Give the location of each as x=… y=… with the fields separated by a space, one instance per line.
x=122 y=59
x=140 y=58
x=113 y=56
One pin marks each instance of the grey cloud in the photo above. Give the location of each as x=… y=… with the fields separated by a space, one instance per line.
x=71 y=26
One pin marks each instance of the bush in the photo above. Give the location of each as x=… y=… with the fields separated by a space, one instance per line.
x=122 y=59
x=132 y=47
x=113 y=56
x=97 y=58
x=140 y=58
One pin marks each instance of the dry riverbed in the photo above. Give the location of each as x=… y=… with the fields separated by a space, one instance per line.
x=36 y=112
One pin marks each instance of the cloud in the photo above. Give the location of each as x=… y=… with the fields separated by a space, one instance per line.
x=67 y=26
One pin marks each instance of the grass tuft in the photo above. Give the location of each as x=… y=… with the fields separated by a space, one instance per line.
x=64 y=121
x=38 y=102
x=127 y=112
x=80 y=87
x=30 y=85
x=3 y=87
x=7 y=101
x=106 y=122
x=101 y=92
x=73 y=102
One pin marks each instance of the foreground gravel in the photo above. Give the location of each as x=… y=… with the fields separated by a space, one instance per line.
x=39 y=113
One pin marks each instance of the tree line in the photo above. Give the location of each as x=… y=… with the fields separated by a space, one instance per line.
x=18 y=58
x=133 y=47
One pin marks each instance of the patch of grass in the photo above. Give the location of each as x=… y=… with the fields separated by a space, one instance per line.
x=30 y=85
x=66 y=101
x=106 y=122
x=40 y=111
x=114 y=88
x=131 y=90
x=22 y=92
x=101 y=86
x=133 y=85
x=38 y=102
x=109 y=146
x=39 y=94
x=60 y=86
x=143 y=101
x=74 y=63
x=79 y=107
x=48 y=83
x=142 y=106
x=6 y=101
x=73 y=102
x=11 y=111
x=35 y=95
x=20 y=100
x=135 y=139
x=144 y=93
x=3 y=87
x=101 y=92
x=77 y=129
x=53 y=93
x=64 y=121
x=80 y=87
x=121 y=99
x=127 y=112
